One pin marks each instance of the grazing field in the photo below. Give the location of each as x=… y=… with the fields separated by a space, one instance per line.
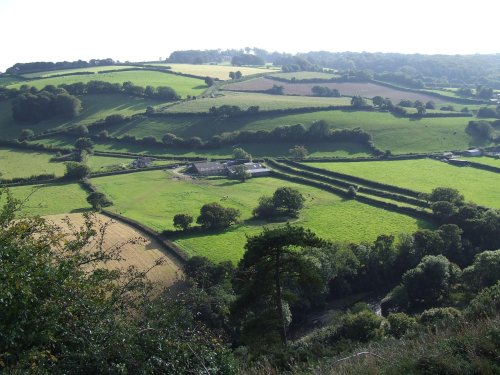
x=94 y=69
x=142 y=255
x=245 y=100
x=478 y=186
x=6 y=80
x=368 y=90
x=51 y=199
x=182 y=85
x=494 y=162
x=316 y=149
x=303 y=75
x=153 y=198
x=26 y=163
x=95 y=107
x=108 y=163
x=215 y=71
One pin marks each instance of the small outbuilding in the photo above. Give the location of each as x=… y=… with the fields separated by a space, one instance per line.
x=255 y=169
x=141 y=162
x=473 y=152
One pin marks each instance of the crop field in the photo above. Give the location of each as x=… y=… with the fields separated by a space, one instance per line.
x=215 y=71
x=51 y=199
x=303 y=75
x=25 y=163
x=142 y=255
x=368 y=90
x=153 y=198
x=478 y=186
x=94 y=69
x=182 y=85
x=95 y=107
x=264 y=101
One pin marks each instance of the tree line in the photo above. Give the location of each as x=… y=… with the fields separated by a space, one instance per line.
x=23 y=68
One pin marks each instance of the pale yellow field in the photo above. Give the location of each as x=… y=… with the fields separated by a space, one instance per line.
x=216 y=71
x=142 y=255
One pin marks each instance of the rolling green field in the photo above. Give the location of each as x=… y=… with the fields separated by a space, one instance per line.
x=108 y=163
x=153 y=198
x=182 y=85
x=478 y=186
x=95 y=107
x=317 y=149
x=484 y=160
x=6 y=80
x=245 y=100
x=51 y=199
x=215 y=71
x=25 y=163
x=303 y=75
x=94 y=69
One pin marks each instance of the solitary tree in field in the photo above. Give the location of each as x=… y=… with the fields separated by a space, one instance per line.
x=182 y=221
x=358 y=101
x=214 y=216
x=298 y=151
x=98 y=200
x=288 y=199
x=237 y=75
x=232 y=75
x=378 y=101
x=209 y=81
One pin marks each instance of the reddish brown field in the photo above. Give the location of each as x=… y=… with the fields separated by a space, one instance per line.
x=367 y=90
x=141 y=255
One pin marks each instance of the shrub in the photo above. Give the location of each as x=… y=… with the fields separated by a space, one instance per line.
x=486 y=303
x=439 y=316
x=76 y=171
x=484 y=272
x=363 y=326
x=401 y=324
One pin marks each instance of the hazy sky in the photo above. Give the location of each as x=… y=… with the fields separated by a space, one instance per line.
x=55 y=30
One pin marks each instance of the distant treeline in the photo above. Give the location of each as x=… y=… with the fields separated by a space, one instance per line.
x=24 y=68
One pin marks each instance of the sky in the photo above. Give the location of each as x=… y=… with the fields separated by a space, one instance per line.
x=57 y=30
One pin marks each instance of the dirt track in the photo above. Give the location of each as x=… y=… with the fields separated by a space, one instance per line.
x=142 y=255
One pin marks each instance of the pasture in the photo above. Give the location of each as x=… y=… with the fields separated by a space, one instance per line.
x=153 y=198
x=367 y=90
x=51 y=199
x=478 y=186
x=95 y=107
x=99 y=164
x=26 y=163
x=245 y=100
x=316 y=149
x=215 y=71
x=182 y=85
x=6 y=80
x=93 y=69
x=142 y=255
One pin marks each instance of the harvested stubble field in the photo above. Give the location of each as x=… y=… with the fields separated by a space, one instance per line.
x=153 y=198
x=303 y=75
x=368 y=90
x=142 y=254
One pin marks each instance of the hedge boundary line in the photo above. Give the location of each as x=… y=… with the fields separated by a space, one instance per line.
x=347 y=184
x=392 y=188
x=363 y=199
x=473 y=164
x=169 y=246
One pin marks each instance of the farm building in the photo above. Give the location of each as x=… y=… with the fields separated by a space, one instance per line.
x=473 y=152
x=141 y=162
x=255 y=169
x=208 y=168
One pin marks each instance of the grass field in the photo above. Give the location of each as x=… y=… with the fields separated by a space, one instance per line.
x=182 y=85
x=142 y=255
x=95 y=107
x=330 y=149
x=153 y=198
x=368 y=90
x=215 y=71
x=25 y=163
x=303 y=75
x=484 y=160
x=481 y=187
x=6 y=80
x=93 y=69
x=264 y=101
x=51 y=199
x=108 y=163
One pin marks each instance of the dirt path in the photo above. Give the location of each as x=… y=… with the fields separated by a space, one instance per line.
x=142 y=255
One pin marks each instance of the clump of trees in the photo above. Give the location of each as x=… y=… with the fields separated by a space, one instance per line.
x=239 y=153
x=183 y=221
x=480 y=129
x=43 y=105
x=284 y=201
x=213 y=216
x=298 y=152
x=325 y=91
x=276 y=90
x=235 y=75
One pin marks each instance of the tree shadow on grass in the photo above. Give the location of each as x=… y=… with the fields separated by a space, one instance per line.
x=80 y=210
